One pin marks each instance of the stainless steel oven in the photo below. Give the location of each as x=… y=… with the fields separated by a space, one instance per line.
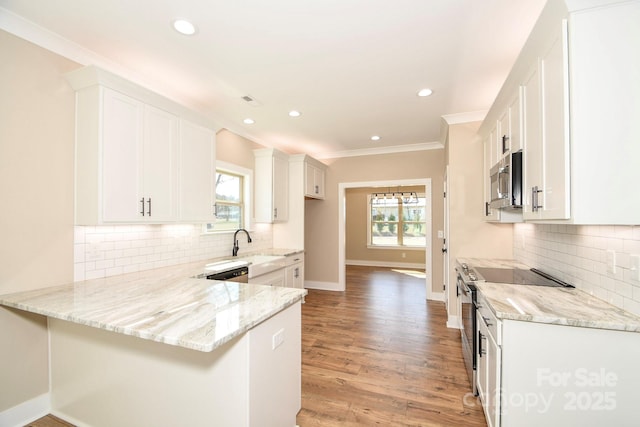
x=467 y=293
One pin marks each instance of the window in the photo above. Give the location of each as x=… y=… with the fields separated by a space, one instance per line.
x=231 y=198
x=395 y=223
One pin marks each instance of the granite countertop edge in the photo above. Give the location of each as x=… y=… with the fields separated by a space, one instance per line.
x=557 y=306
x=167 y=298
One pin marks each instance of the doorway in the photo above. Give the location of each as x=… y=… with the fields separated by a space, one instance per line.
x=383 y=185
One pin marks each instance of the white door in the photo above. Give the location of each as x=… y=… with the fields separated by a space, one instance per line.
x=445 y=241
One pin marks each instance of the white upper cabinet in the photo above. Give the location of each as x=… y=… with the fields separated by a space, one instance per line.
x=314 y=178
x=578 y=73
x=604 y=53
x=159 y=164
x=197 y=173
x=546 y=157
x=137 y=159
x=271 y=185
x=509 y=138
x=489 y=213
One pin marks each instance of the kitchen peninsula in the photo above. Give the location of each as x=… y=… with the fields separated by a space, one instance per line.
x=160 y=347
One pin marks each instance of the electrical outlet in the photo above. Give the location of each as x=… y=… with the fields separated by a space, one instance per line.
x=404 y=255
x=277 y=339
x=635 y=267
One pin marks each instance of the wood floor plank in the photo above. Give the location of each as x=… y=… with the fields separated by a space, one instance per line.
x=380 y=354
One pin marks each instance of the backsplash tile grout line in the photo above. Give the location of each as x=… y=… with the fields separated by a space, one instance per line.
x=578 y=254
x=103 y=251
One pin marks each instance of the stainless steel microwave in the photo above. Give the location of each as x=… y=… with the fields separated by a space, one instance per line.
x=506 y=182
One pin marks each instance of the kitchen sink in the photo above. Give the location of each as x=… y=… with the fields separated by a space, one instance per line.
x=263 y=264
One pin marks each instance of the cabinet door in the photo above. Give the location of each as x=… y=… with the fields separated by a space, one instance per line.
x=295 y=276
x=555 y=132
x=280 y=189
x=493 y=359
x=489 y=214
x=515 y=119
x=314 y=182
x=197 y=173
x=546 y=133
x=122 y=151
x=482 y=381
x=159 y=164
x=488 y=371
x=532 y=143
x=504 y=133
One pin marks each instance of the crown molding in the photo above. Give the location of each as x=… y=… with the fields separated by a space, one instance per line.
x=472 y=116
x=381 y=150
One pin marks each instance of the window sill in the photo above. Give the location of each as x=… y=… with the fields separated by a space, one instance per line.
x=400 y=248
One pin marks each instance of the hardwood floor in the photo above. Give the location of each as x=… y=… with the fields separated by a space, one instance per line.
x=380 y=354
x=49 y=421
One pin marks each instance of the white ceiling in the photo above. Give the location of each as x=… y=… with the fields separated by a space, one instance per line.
x=352 y=67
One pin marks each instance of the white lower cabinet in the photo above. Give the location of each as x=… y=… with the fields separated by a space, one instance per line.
x=488 y=363
x=274 y=278
x=294 y=272
x=537 y=374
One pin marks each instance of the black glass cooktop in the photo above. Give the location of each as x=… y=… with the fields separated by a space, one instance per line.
x=519 y=276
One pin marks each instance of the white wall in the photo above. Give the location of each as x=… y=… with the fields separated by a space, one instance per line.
x=578 y=255
x=111 y=250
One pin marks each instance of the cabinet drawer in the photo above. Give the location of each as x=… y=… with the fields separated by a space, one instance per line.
x=494 y=326
x=294 y=259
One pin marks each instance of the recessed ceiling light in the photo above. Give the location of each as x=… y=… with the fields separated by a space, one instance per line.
x=248 y=121
x=294 y=113
x=184 y=27
x=375 y=138
x=425 y=92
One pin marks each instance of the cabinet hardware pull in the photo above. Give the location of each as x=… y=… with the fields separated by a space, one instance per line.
x=505 y=138
x=480 y=352
x=486 y=209
x=142 y=203
x=534 y=199
x=317 y=189
x=486 y=321
x=275 y=212
x=149 y=202
x=296 y=272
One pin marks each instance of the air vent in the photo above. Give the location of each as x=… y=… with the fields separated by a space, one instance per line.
x=251 y=100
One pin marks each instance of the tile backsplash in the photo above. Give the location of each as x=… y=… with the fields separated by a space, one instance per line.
x=581 y=255
x=103 y=251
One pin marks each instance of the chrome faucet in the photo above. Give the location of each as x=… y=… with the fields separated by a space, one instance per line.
x=235 y=240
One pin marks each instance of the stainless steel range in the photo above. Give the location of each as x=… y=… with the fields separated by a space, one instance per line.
x=466 y=290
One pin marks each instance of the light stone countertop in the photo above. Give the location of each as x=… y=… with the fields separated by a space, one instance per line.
x=166 y=305
x=542 y=304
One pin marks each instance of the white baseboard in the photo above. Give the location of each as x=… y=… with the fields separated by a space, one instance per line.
x=435 y=296
x=367 y=263
x=322 y=286
x=453 y=322
x=26 y=412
